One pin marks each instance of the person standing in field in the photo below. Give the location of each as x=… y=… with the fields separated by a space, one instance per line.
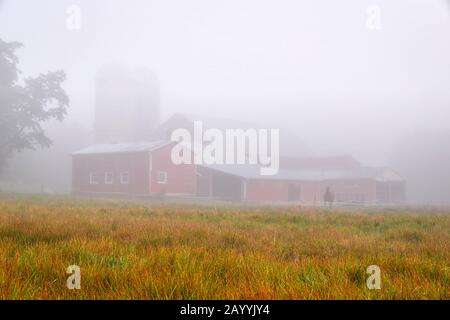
x=328 y=197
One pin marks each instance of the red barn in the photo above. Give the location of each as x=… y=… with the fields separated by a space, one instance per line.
x=131 y=169
x=145 y=169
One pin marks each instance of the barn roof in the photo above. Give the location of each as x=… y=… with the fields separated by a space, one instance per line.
x=122 y=147
x=248 y=171
x=344 y=162
x=290 y=144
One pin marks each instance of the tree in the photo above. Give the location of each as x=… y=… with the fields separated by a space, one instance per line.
x=26 y=103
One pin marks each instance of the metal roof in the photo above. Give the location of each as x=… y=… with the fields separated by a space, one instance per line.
x=248 y=171
x=122 y=147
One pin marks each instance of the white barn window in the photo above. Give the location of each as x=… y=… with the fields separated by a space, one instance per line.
x=109 y=178
x=93 y=179
x=161 y=177
x=124 y=178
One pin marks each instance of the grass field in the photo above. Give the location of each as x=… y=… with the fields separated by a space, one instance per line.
x=145 y=250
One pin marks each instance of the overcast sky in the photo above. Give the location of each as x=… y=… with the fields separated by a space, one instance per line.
x=313 y=66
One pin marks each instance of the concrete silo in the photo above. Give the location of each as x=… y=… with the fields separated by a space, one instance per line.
x=126 y=104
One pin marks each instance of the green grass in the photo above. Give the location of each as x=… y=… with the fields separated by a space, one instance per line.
x=152 y=250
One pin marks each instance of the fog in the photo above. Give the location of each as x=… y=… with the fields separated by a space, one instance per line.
x=381 y=95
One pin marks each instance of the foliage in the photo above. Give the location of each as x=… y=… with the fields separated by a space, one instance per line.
x=26 y=103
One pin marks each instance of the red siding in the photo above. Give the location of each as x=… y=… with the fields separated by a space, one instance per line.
x=311 y=192
x=136 y=164
x=181 y=179
x=266 y=191
x=352 y=190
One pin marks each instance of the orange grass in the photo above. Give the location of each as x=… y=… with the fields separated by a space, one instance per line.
x=148 y=250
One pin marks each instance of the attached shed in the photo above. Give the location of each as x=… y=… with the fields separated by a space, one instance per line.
x=245 y=183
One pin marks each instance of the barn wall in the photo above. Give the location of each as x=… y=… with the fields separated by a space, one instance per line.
x=266 y=191
x=361 y=190
x=390 y=192
x=311 y=192
x=398 y=191
x=181 y=179
x=136 y=164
